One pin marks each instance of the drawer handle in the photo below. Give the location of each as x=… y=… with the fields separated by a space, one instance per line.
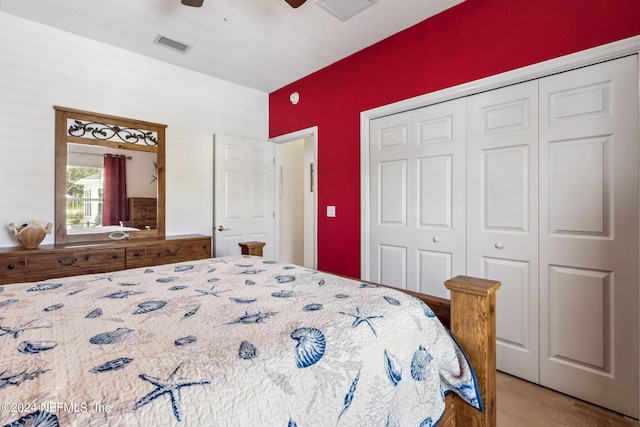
x=136 y=253
x=170 y=252
x=66 y=264
x=499 y=245
x=204 y=246
x=11 y=266
x=115 y=256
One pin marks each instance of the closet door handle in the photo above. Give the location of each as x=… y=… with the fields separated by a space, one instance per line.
x=499 y=245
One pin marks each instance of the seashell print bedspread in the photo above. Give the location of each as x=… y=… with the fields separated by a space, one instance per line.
x=234 y=341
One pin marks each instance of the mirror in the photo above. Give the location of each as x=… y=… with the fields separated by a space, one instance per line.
x=109 y=177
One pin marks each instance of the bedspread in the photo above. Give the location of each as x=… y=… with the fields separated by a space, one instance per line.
x=232 y=341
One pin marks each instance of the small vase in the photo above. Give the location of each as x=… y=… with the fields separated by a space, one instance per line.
x=30 y=235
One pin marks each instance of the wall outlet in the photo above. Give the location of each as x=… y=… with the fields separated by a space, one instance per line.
x=331 y=211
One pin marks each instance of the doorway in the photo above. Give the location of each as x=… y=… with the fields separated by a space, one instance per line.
x=296 y=197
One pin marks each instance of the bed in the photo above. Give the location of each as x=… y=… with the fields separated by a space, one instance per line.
x=242 y=340
x=101 y=229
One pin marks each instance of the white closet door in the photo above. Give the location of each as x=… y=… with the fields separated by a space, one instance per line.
x=502 y=212
x=417 y=197
x=589 y=234
x=390 y=204
x=440 y=188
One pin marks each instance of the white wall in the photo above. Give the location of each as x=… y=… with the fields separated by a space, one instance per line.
x=41 y=67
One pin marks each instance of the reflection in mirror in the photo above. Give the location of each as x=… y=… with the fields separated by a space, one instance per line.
x=95 y=205
x=109 y=177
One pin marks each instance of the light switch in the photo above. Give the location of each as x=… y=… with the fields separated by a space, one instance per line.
x=331 y=211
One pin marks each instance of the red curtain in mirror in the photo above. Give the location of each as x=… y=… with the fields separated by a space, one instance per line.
x=114 y=195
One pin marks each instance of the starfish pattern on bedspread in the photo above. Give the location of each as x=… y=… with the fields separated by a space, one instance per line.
x=359 y=318
x=213 y=291
x=170 y=386
x=17 y=331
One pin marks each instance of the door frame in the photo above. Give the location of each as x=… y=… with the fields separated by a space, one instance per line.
x=311 y=132
x=583 y=58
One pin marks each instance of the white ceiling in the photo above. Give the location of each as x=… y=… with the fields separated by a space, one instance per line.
x=262 y=44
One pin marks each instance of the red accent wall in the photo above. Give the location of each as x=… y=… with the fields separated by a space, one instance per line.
x=475 y=39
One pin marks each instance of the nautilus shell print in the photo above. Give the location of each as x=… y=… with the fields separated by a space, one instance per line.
x=310 y=347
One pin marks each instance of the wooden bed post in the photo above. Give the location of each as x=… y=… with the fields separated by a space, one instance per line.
x=473 y=323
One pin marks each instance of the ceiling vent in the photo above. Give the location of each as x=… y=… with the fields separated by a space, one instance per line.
x=345 y=9
x=172 y=44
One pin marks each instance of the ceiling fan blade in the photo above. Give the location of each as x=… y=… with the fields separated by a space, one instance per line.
x=192 y=3
x=295 y=3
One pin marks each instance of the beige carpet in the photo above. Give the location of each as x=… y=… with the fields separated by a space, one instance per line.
x=523 y=404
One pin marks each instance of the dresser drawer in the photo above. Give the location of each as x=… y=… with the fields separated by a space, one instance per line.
x=139 y=202
x=114 y=259
x=165 y=253
x=136 y=256
x=13 y=269
x=146 y=213
x=72 y=263
x=198 y=249
x=178 y=251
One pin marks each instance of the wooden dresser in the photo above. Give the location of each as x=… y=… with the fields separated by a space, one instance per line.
x=143 y=212
x=52 y=261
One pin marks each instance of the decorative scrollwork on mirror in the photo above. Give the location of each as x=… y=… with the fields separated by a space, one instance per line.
x=105 y=132
x=102 y=162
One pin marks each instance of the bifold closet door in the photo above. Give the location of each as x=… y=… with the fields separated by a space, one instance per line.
x=502 y=216
x=417 y=197
x=589 y=234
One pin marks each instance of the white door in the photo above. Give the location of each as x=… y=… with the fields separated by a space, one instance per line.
x=589 y=234
x=417 y=182
x=502 y=216
x=390 y=204
x=244 y=194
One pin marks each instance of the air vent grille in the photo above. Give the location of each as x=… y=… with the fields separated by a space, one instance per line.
x=172 y=44
x=345 y=9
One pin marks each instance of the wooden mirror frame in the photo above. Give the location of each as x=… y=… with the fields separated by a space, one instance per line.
x=62 y=137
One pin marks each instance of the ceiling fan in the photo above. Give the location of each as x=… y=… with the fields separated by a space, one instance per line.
x=198 y=3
